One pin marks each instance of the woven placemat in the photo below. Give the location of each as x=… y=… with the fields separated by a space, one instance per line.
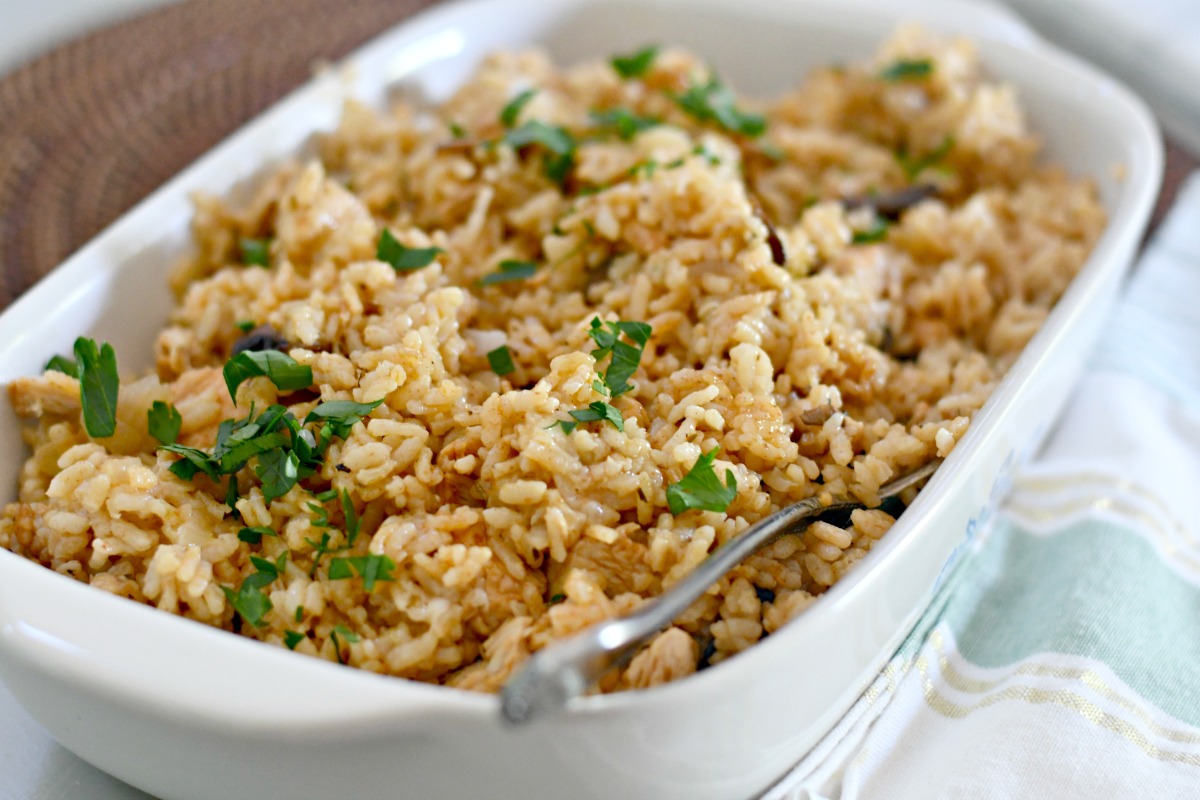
x=93 y=126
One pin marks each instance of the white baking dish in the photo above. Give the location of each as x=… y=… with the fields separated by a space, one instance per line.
x=185 y=711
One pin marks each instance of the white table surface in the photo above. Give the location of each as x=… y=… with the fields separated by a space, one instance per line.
x=32 y=765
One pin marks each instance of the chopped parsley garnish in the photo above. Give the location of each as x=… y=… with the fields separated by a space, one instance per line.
x=712 y=101
x=623 y=122
x=250 y=601
x=232 y=492
x=245 y=326
x=164 y=422
x=324 y=546
x=351 y=517
x=914 y=166
x=280 y=368
x=62 y=364
x=878 y=232
x=321 y=549
x=255 y=535
x=772 y=151
x=401 y=258
x=511 y=111
x=595 y=412
x=635 y=65
x=457 y=131
x=646 y=168
x=701 y=488
x=625 y=356
x=299 y=613
x=370 y=568
x=509 y=270
x=558 y=144
x=279 y=471
x=614 y=382
x=345 y=633
x=292 y=638
x=98 y=385
x=193 y=460
x=341 y=415
x=905 y=69
x=556 y=598
x=712 y=158
x=287 y=450
x=500 y=360
x=256 y=252
x=273 y=568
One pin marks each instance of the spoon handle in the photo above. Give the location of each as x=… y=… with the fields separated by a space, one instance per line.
x=565 y=669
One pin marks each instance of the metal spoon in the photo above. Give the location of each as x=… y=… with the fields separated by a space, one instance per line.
x=565 y=669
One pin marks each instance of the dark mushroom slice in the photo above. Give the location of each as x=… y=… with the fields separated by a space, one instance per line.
x=893 y=204
x=817 y=415
x=264 y=337
x=778 y=254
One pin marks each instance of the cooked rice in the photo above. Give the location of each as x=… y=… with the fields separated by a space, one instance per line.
x=846 y=365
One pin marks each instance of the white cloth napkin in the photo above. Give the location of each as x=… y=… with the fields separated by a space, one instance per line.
x=1152 y=45
x=1062 y=658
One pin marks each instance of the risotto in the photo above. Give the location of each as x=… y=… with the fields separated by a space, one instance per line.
x=478 y=376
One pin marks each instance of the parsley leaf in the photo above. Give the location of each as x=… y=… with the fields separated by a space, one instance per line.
x=350 y=636
x=712 y=101
x=772 y=151
x=255 y=252
x=701 y=488
x=255 y=535
x=500 y=360
x=279 y=471
x=914 y=166
x=457 y=131
x=635 y=65
x=624 y=122
x=164 y=422
x=510 y=112
x=98 y=385
x=250 y=601
x=555 y=140
x=595 y=412
x=370 y=568
x=401 y=258
x=321 y=548
x=878 y=232
x=245 y=326
x=509 y=270
x=615 y=380
x=625 y=357
x=351 y=516
x=292 y=638
x=341 y=415
x=232 y=493
x=62 y=364
x=193 y=461
x=282 y=369
x=907 y=69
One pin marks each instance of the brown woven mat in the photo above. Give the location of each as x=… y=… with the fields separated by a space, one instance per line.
x=93 y=126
